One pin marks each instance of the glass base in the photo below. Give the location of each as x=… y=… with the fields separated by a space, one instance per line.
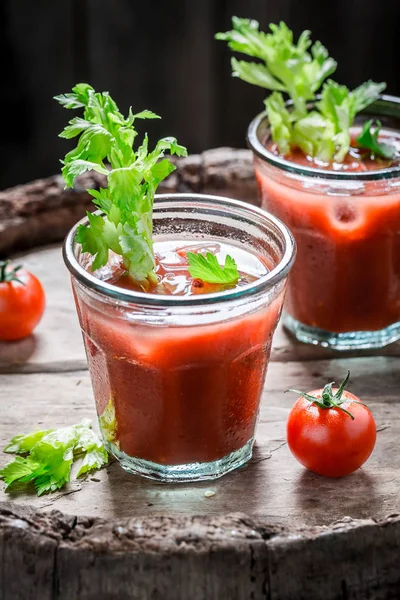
x=352 y=340
x=197 y=471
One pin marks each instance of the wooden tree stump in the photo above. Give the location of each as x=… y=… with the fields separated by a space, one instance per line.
x=55 y=556
x=272 y=530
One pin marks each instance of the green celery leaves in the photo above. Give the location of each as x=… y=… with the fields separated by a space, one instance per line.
x=325 y=132
x=280 y=120
x=299 y=70
x=106 y=137
x=50 y=455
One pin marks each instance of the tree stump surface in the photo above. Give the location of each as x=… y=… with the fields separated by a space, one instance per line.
x=272 y=530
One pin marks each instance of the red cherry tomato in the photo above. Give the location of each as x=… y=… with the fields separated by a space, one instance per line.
x=327 y=440
x=22 y=302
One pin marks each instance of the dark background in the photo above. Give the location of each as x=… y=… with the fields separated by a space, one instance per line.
x=161 y=55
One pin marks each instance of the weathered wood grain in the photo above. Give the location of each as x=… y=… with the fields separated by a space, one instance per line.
x=42 y=212
x=274 y=486
x=201 y=558
x=91 y=559
x=56 y=344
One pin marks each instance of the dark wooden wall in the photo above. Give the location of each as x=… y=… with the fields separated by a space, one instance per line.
x=160 y=54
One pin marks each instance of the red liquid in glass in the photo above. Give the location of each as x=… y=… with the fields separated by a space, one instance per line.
x=182 y=393
x=347 y=271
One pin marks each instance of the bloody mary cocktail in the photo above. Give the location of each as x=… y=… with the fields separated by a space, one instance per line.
x=344 y=290
x=177 y=300
x=178 y=369
x=327 y=162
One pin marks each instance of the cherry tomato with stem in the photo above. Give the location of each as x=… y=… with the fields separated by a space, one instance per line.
x=22 y=302
x=330 y=432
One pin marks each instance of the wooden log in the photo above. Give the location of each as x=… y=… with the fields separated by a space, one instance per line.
x=54 y=556
x=42 y=212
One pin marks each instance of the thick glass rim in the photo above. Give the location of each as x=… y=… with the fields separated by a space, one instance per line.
x=388 y=105
x=262 y=284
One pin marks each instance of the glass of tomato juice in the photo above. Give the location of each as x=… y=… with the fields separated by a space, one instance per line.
x=178 y=372
x=344 y=290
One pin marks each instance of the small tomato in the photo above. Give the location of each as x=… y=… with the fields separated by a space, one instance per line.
x=22 y=302
x=330 y=432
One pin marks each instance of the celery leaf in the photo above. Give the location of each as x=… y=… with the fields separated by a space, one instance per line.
x=321 y=129
x=51 y=455
x=105 y=136
x=296 y=68
x=369 y=139
x=208 y=268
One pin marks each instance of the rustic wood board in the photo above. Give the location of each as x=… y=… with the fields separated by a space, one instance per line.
x=273 y=486
x=45 y=383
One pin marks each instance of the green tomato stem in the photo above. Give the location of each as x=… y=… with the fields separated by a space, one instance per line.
x=328 y=399
x=6 y=276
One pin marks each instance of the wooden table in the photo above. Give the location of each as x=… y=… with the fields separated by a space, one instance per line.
x=272 y=530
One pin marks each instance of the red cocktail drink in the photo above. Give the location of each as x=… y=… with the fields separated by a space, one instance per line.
x=327 y=162
x=178 y=371
x=344 y=290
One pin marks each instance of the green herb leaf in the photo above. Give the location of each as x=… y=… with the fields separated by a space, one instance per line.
x=75 y=127
x=93 y=459
x=23 y=444
x=145 y=114
x=106 y=136
x=369 y=139
x=366 y=93
x=78 y=98
x=325 y=133
x=208 y=268
x=314 y=136
x=51 y=454
x=256 y=74
x=95 y=455
x=17 y=469
x=339 y=106
x=280 y=121
x=298 y=69
x=108 y=422
x=77 y=167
